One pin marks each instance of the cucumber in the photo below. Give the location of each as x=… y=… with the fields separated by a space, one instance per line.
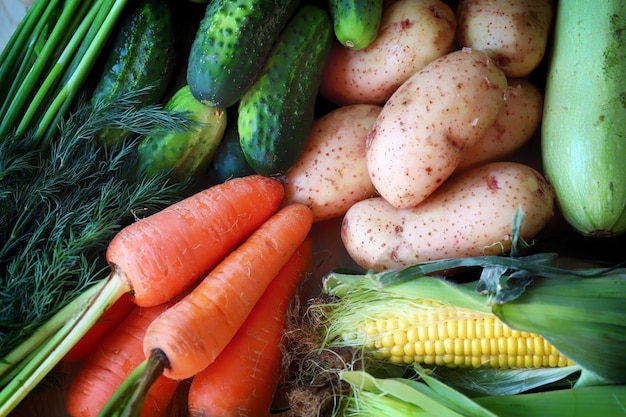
x=232 y=43
x=356 y=22
x=229 y=161
x=183 y=154
x=584 y=120
x=276 y=113
x=142 y=56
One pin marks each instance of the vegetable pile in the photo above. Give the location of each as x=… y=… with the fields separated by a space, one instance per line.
x=356 y=208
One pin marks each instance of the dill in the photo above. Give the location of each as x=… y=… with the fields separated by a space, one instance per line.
x=59 y=210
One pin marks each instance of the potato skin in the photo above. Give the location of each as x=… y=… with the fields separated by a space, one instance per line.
x=331 y=175
x=470 y=215
x=423 y=129
x=412 y=33
x=515 y=125
x=513 y=32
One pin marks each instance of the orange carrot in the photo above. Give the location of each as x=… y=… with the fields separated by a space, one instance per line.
x=188 y=336
x=243 y=379
x=163 y=254
x=105 y=325
x=111 y=362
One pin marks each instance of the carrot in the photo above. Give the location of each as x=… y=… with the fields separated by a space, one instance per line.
x=161 y=255
x=155 y=259
x=111 y=362
x=188 y=336
x=109 y=320
x=243 y=379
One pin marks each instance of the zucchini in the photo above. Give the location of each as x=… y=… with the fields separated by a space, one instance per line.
x=142 y=57
x=183 y=154
x=232 y=43
x=584 y=120
x=356 y=22
x=276 y=113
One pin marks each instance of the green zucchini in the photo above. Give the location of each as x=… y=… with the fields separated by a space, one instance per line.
x=183 y=154
x=142 y=57
x=584 y=120
x=276 y=113
x=356 y=22
x=232 y=43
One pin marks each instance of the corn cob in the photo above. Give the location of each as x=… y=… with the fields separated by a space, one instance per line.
x=442 y=335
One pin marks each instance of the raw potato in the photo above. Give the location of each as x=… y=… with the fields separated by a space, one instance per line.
x=516 y=124
x=412 y=34
x=470 y=215
x=331 y=175
x=513 y=32
x=423 y=129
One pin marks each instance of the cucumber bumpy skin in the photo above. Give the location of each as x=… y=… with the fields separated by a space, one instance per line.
x=276 y=113
x=183 y=154
x=356 y=22
x=232 y=43
x=584 y=120
x=142 y=56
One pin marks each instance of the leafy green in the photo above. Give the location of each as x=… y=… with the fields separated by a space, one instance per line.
x=59 y=209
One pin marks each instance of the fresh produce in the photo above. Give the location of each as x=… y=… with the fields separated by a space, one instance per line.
x=331 y=175
x=515 y=125
x=46 y=62
x=183 y=336
x=276 y=112
x=257 y=347
x=412 y=34
x=187 y=337
x=560 y=305
x=584 y=117
x=112 y=360
x=374 y=397
x=109 y=320
x=418 y=139
x=513 y=32
x=184 y=154
x=469 y=215
x=233 y=41
x=200 y=231
x=154 y=259
x=142 y=57
x=356 y=22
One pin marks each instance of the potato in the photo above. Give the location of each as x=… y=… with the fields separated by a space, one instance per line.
x=412 y=33
x=513 y=32
x=470 y=215
x=331 y=175
x=423 y=129
x=515 y=125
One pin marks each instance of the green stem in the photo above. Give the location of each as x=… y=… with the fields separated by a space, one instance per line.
x=32 y=372
x=55 y=71
x=17 y=43
x=105 y=23
x=11 y=362
x=31 y=81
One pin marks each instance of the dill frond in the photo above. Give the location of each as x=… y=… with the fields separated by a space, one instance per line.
x=59 y=210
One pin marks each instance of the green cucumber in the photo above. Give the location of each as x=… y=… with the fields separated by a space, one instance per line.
x=584 y=120
x=229 y=161
x=231 y=46
x=276 y=113
x=142 y=57
x=356 y=22
x=188 y=153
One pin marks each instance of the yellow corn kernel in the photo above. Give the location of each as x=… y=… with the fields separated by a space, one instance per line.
x=463 y=339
